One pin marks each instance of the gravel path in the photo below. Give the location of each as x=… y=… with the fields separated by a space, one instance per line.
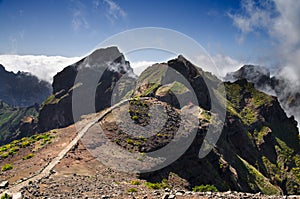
x=49 y=168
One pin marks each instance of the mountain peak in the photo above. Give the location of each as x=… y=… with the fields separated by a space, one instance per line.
x=104 y=55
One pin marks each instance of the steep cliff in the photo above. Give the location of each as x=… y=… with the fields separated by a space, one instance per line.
x=100 y=70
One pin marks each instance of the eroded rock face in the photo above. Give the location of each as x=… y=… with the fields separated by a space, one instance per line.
x=97 y=75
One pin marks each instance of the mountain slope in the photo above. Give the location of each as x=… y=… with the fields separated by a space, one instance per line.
x=256 y=145
x=22 y=89
x=288 y=92
x=15 y=122
x=258 y=150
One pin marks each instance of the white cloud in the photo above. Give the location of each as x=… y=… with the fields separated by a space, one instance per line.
x=140 y=66
x=218 y=64
x=79 y=20
x=114 y=11
x=44 y=67
x=281 y=20
x=252 y=18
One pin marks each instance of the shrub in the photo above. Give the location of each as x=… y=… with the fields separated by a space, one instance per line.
x=132 y=190
x=13 y=150
x=151 y=185
x=129 y=141
x=135 y=117
x=30 y=155
x=7 y=167
x=135 y=182
x=4 y=155
x=158 y=185
x=6 y=196
x=25 y=143
x=204 y=188
x=3 y=148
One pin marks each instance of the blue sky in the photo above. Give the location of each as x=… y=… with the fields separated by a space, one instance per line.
x=232 y=31
x=73 y=28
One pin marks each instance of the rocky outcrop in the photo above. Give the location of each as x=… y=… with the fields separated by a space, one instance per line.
x=185 y=74
x=22 y=89
x=258 y=149
x=288 y=92
x=97 y=74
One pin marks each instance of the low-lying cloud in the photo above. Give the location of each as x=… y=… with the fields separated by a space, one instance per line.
x=44 y=67
x=281 y=21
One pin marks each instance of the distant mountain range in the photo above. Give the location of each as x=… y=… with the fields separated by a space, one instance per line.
x=22 y=89
x=258 y=150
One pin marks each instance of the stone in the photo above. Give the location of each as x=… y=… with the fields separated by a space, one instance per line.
x=166 y=196
x=17 y=195
x=4 y=184
x=172 y=196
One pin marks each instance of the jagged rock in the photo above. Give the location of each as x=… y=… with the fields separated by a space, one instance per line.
x=176 y=73
x=288 y=96
x=100 y=70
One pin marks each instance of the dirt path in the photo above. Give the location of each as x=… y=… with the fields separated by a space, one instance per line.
x=48 y=169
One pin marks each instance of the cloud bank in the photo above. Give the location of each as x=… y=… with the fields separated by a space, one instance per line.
x=44 y=67
x=281 y=20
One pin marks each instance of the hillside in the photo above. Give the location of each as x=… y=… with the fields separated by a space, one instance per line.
x=112 y=153
x=16 y=122
x=287 y=91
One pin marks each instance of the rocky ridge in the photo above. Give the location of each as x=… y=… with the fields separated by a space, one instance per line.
x=258 y=151
x=288 y=92
x=107 y=64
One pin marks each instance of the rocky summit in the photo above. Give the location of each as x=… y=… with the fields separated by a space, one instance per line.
x=110 y=152
x=287 y=91
x=96 y=75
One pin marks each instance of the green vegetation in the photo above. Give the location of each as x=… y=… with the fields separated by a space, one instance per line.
x=10 y=118
x=256 y=179
x=204 y=188
x=135 y=117
x=260 y=134
x=296 y=169
x=237 y=95
x=4 y=155
x=158 y=185
x=6 y=196
x=135 y=182
x=176 y=88
x=30 y=155
x=7 y=167
x=152 y=75
x=132 y=190
x=150 y=90
x=37 y=141
x=130 y=141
